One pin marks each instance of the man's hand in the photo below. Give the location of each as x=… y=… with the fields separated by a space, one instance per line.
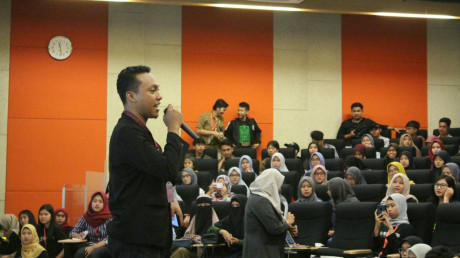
x=173 y=119
x=254 y=146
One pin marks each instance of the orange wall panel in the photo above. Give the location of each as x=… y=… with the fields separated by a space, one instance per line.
x=227 y=54
x=384 y=66
x=57 y=109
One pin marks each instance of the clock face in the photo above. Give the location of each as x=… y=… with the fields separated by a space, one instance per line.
x=60 y=47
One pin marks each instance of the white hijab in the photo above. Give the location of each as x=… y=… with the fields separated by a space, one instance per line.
x=419 y=250
x=283 y=167
x=268 y=185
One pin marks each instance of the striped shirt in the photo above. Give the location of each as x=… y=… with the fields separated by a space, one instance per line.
x=95 y=235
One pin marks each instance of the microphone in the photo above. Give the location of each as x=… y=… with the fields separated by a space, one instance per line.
x=187 y=129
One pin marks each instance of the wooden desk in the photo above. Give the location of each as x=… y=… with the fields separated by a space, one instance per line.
x=72 y=241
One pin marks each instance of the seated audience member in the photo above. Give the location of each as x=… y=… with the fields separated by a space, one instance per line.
x=265 y=226
x=189 y=178
x=367 y=141
x=407 y=160
x=236 y=178
x=27 y=217
x=189 y=162
x=62 y=217
x=451 y=169
x=391 y=226
x=395 y=167
x=412 y=128
x=10 y=241
x=393 y=153
x=340 y=192
x=406 y=140
x=30 y=244
x=440 y=159
x=359 y=151
x=199 y=145
x=226 y=151
x=434 y=147
x=418 y=251
x=220 y=190
x=354 y=176
x=204 y=218
x=319 y=175
x=316 y=158
x=293 y=146
x=444 y=190
x=93 y=227
x=400 y=184
x=313 y=147
x=352 y=161
x=431 y=138
x=318 y=136
x=49 y=232
x=407 y=243
x=356 y=126
x=243 y=131
x=231 y=228
x=245 y=165
x=444 y=126
x=210 y=125
x=306 y=190
x=272 y=148
x=279 y=162
x=375 y=132
x=440 y=252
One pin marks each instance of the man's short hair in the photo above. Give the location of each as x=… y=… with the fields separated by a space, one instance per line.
x=317 y=135
x=414 y=124
x=226 y=142
x=220 y=103
x=199 y=141
x=357 y=104
x=244 y=105
x=445 y=120
x=127 y=80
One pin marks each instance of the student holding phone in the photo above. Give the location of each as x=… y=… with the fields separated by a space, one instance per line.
x=220 y=190
x=391 y=225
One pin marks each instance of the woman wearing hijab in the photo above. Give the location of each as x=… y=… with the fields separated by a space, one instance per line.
x=9 y=232
x=27 y=217
x=394 y=168
x=319 y=175
x=451 y=169
x=204 y=218
x=245 y=165
x=265 y=227
x=400 y=184
x=306 y=190
x=359 y=151
x=236 y=178
x=231 y=228
x=368 y=141
x=279 y=162
x=315 y=159
x=418 y=250
x=407 y=160
x=406 y=140
x=189 y=177
x=440 y=159
x=218 y=193
x=354 y=176
x=433 y=148
x=93 y=227
x=391 y=226
x=340 y=191
x=62 y=217
x=31 y=247
x=407 y=243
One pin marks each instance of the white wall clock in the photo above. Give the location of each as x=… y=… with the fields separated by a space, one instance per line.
x=60 y=47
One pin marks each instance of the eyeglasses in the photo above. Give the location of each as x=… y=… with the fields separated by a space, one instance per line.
x=393 y=171
x=320 y=174
x=441 y=185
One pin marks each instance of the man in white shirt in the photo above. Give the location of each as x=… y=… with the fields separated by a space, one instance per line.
x=375 y=132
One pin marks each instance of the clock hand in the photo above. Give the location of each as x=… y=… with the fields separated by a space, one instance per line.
x=60 y=50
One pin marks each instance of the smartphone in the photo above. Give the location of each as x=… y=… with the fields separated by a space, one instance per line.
x=175 y=221
x=381 y=208
x=219 y=185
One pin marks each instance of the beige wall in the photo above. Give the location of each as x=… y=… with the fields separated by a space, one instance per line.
x=5 y=21
x=443 y=72
x=307 y=76
x=149 y=35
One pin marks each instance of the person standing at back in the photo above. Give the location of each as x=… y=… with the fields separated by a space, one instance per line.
x=210 y=125
x=140 y=169
x=243 y=131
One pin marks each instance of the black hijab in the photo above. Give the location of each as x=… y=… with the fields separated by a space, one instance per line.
x=352 y=161
x=411 y=159
x=234 y=223
x=203 y=216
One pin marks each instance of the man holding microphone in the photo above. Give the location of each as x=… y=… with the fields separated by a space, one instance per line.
x=140 y=194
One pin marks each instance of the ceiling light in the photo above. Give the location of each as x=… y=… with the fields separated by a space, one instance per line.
x=258 y=7
x=415 y=15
